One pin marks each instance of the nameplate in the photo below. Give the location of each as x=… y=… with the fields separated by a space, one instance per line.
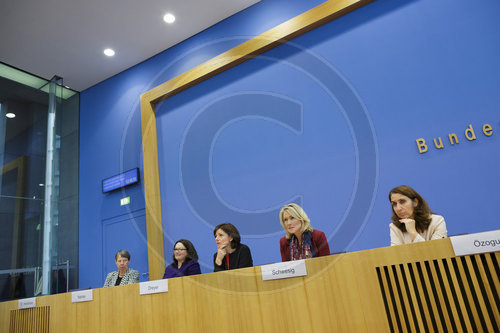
x=482 y=242
x=153 y=287
x=26 y=303
x=82 y=296
x=284 y=270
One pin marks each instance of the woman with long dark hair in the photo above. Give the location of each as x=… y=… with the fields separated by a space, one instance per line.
x=412 y=219
x=185 y=260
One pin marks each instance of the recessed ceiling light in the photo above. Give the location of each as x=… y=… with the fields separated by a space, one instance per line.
x=109 y=52
x=41 y=184
x=10 y=115
x=169 y=18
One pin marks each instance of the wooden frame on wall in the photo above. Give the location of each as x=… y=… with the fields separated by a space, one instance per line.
x=280 y=34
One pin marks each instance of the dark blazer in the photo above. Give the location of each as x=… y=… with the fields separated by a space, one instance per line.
x=130 y=276
x=240 y=258
x=192 y=267
x=319 y=244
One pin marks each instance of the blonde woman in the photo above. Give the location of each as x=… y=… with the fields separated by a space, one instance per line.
x=301 y=240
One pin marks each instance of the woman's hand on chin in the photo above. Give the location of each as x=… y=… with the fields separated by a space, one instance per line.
x=221 y=253
x=410 y=227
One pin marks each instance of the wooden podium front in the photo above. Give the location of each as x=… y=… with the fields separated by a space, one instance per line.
x=419 y=287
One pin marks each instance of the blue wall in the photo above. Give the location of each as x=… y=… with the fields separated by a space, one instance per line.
x=329 y=120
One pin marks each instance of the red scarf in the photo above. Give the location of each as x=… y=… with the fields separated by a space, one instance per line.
x=302 y=250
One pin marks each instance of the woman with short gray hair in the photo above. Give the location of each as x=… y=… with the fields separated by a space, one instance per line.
x=124 y=275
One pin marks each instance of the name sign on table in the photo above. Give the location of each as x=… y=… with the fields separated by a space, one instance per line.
x=284 y=270
x=26 y=303
x=82 y=296
x=482 y=242
x=153 y=287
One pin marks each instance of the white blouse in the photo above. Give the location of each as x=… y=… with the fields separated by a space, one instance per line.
x=436 y=230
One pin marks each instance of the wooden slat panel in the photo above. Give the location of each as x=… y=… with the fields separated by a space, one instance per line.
x=493 y=271
x=389 y=295
x=460 y=296
x=434 y=287
x=488 y=288
x=418 y=314
x=440 y=301
x=468 y=294
x=34 y=320
x=384 y=293
x=45 y=320
x=479 y=297
x=435 y=322
x=421 y=295
x=401 y=311
x=12 y=323
x=448 y=291
x=407 y=304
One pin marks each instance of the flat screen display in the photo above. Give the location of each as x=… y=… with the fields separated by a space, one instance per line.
x=121 y=180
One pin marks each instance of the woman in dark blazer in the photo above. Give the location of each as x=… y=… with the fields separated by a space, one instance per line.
x=230 y=253
x=185 y=260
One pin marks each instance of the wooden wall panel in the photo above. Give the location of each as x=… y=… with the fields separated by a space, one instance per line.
x=154 y=227
x=34 y=320
x=442 y=295
x=409 y=288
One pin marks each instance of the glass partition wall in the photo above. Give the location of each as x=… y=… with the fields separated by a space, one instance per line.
x=39 y=123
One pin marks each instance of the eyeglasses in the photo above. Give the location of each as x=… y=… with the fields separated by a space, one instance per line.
x=180 y=249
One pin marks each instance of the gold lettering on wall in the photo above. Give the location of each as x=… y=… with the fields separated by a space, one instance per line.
x=469 y=134
x=487 y=130
x=440 y=145
x=452 y=136
x=422 y=147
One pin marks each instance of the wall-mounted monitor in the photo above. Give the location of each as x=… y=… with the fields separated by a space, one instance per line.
x=121 y=180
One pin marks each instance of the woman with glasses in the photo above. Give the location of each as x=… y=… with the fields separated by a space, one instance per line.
x=185 y=260
x=301 y=240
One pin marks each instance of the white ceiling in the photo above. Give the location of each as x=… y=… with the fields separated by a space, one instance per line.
x=67 y=37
